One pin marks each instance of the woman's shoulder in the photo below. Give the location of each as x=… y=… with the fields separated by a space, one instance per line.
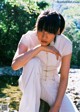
x=30 y=33
x=65 y=45
x=29 y=39
x=28 y=36
x=64 y=39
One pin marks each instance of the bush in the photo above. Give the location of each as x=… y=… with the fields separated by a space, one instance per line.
x=15 y=19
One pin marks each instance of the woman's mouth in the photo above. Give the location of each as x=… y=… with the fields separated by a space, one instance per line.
x=43 y=41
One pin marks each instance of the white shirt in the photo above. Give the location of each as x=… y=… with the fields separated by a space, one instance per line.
x=49 y=61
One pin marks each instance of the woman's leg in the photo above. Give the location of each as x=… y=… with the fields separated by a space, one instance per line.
x=49 y=92
x=29 y=83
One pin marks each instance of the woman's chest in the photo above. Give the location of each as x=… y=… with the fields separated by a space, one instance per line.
x=49 y=59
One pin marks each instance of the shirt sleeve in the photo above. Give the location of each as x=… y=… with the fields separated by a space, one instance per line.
x=67 y=49
x=25 y=39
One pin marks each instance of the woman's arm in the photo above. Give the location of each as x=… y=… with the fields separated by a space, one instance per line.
x=63 y=82
x=22 y=55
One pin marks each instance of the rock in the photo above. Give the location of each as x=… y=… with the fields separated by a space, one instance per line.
x=9 y=71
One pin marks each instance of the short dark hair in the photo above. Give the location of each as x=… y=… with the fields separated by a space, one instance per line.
x=62 y=23
x=48 y=21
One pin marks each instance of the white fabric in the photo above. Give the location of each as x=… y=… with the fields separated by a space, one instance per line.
x=35 y=84
x=29 y=39
x=29 y=84
x=63 y=44
x=40 y=77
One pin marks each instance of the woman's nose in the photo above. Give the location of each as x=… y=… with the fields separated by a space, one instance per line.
x=44 y=36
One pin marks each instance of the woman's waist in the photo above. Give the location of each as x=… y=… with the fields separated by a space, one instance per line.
x=49 y=73
x=49 y=68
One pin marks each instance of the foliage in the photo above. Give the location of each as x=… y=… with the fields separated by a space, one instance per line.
x=73 y=31
x=16 y=18
x=15 y=21
x=42 y=4
x=19 y=16
x=9 y=91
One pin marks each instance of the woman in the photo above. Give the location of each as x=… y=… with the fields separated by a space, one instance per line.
x=41 y=53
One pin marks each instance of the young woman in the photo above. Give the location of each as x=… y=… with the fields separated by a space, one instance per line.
x=41 y=53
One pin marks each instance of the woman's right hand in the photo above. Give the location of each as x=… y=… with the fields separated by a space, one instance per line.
x=51 y=49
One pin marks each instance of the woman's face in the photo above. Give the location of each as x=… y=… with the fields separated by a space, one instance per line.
x=45 y=38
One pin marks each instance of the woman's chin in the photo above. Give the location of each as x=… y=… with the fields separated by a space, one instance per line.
x=44 y=44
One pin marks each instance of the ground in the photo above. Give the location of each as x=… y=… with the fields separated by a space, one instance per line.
x=11 y=95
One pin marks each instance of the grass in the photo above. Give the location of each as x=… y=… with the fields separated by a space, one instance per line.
x=9 y=91
x=11 y=95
